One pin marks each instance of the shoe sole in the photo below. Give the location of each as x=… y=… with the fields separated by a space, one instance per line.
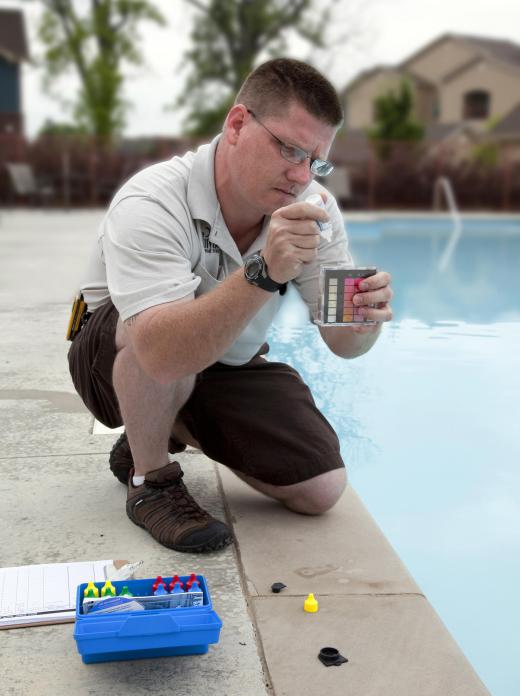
x=211 y=545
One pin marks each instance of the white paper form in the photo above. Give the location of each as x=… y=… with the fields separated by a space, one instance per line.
x=35 y=597
x=22 y=591
x=77 y=574
x=43 y=593
x=8 y=603
x=56 y=590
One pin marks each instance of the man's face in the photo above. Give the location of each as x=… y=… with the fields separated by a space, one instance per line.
x=263 y=179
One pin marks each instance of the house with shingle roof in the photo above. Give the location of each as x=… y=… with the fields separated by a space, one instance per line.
x=466 y=91
x=13 y=51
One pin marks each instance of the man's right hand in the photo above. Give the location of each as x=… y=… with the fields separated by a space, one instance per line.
x=292 y=239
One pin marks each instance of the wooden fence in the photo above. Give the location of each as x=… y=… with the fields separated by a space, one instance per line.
x=81 y=172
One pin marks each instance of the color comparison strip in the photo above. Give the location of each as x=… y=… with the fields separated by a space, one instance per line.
x=340 y=287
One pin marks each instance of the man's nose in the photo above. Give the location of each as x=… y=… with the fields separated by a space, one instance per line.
x=300 y=173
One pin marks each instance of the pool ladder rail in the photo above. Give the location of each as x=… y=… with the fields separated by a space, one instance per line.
x=441 y=186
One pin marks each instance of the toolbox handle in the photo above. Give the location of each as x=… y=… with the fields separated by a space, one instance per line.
x=145 y=626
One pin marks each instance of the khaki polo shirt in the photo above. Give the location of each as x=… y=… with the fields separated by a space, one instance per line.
x=163 y=238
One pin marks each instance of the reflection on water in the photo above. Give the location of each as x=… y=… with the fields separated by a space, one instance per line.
x=335 y=383
x=479 y=286
x=427 y=422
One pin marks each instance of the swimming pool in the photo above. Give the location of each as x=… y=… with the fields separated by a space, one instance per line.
x=428 y=418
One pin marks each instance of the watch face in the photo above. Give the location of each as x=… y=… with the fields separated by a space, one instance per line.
x=253 y=268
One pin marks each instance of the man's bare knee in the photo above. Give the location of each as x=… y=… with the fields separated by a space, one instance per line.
x=317 y=495
x=312 y=497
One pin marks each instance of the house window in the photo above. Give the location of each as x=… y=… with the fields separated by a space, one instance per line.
x=476 y=104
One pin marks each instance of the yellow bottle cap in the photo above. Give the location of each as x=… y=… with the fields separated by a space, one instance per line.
x=91 y=590
x=108 y=590
x=310 y=604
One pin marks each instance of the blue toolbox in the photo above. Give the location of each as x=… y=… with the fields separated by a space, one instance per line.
x=149 y=632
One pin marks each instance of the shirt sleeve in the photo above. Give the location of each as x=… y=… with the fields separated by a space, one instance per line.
x=147 y=250
x=334 y=252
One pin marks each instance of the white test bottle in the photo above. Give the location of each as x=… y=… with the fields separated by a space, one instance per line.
x=325 y=227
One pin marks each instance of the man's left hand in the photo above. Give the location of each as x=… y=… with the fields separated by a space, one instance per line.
x=374 y=290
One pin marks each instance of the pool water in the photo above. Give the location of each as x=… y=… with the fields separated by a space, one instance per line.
x=428 y=420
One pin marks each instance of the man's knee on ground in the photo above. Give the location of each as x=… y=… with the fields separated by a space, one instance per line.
x=317 y=495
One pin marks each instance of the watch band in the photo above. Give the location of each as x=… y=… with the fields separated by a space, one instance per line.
x=261 y=278
x=267 y=283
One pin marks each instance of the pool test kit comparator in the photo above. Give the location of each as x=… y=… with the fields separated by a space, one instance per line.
x=338 y=285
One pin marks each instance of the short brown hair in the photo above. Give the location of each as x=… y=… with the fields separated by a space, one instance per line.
x=270 y=88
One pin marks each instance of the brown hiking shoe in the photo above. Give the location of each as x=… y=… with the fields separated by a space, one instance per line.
x=163 y=506
x=121 y=461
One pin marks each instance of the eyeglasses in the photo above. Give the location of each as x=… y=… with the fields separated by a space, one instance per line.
x=296 y=155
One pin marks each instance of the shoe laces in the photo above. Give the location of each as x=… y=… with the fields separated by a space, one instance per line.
x=185 y=506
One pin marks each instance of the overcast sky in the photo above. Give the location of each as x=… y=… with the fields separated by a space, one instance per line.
x=382 y=32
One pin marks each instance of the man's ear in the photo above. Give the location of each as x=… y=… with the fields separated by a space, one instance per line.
x=234 y=123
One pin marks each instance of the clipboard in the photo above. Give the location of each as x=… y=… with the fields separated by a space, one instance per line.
x=46 y=594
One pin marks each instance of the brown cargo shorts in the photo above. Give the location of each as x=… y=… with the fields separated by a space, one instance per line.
x=259 y=418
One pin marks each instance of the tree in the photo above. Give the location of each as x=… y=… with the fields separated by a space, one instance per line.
x=487 y=154
x=228 y=38
x=51 y=127
x=94 y=39
x=394 y=120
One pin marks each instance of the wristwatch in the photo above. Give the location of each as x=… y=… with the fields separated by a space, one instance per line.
x=255 y=272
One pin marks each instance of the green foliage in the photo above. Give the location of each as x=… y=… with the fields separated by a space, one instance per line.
x=51 y=127
x=228 y=39
x=394 y=121
x=493 y=121
x=485 y=155
x=94 y=38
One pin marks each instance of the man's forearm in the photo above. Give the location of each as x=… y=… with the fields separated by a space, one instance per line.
x=184 y=338
x=347 y=343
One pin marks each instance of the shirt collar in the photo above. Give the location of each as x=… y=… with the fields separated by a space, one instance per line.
x=202 y=195
x=203 y=202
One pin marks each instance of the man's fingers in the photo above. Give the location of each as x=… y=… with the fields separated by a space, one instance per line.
x=307 y=255
x=378 y=280
x=382 y=312
x=297 y=228
x=371 y=298
x=306 y=241
x=302 y=211
x=374 y=296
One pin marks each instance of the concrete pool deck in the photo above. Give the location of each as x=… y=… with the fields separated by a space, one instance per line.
x=60 y=503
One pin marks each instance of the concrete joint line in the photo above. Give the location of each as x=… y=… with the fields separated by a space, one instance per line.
x=243 y=583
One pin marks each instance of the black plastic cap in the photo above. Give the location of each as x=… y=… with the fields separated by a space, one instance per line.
x=277 y=587
x=330 y=657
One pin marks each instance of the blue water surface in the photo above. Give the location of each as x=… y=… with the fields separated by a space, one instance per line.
x=428 y=421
